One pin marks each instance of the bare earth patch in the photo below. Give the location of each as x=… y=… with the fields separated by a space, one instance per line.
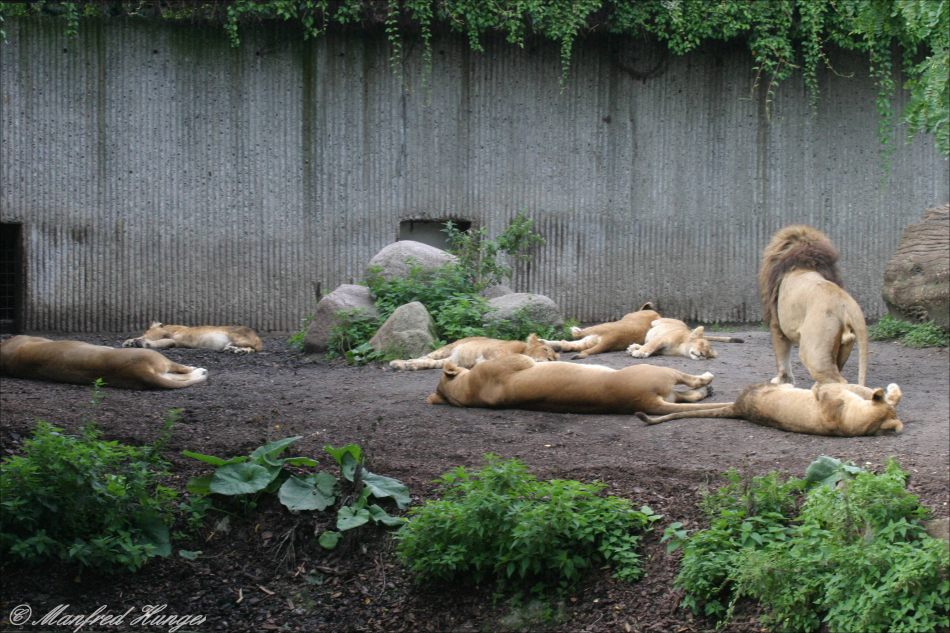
x=251 y=579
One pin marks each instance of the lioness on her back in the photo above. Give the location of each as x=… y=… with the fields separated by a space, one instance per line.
x=238 y=339
x=518 y=382
x=803 y=302
x=82 y=363
x=825 y=409
x=613 y=336
x=468 y=351
x=672 y=337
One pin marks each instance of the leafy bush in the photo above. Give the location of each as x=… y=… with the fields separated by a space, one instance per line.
x=84 y=500
x=265 y=472
x=352 y=329
x=855 y=557
x=502 y=525
x=450 y=293
x=296 y=339
x=478 y=255
x=910 y=334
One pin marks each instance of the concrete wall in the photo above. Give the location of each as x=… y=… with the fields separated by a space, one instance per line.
x=161 y=174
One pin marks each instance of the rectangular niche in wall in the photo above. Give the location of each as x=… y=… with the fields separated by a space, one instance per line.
x=11 y=277
x=429 y=231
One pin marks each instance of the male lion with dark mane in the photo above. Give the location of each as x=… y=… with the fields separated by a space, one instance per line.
x=803 y=303
x=82 y=363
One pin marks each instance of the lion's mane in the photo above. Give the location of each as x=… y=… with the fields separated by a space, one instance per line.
x=796 y=247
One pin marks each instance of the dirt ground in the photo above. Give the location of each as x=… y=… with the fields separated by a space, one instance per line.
x=248 y=580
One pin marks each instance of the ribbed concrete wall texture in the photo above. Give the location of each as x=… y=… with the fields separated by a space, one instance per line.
x=159 y=173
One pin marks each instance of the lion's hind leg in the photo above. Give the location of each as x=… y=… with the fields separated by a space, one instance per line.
x=587 y=342
x=172 y=375
x=412 y=364
x=692 y=395
x=692 y=381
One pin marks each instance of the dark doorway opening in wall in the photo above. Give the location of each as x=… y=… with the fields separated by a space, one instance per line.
x=11 y=277
x=430 y=231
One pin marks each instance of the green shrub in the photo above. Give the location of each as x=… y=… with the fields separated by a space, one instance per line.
x=352 y=329
x=84 y=500
x=478 y=255
x=247 y=477
x=450 y=293
x=501 y=525
x=296 y=339
x=855 y=557
x=910 y=334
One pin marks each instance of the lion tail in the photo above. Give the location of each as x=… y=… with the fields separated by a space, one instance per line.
x=794 y=247
x=725 y=339
x=860 y=331
x=723 y=410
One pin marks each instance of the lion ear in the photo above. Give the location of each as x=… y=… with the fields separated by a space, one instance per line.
x=533 y=339
x=155 y=324
x=648 y=306
x=698 y=332
x=451 y=369
x=878 y=395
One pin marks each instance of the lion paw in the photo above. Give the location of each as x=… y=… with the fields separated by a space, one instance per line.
x=636 y=351
x=575 y=331
x=132 y=342
x=707 y=376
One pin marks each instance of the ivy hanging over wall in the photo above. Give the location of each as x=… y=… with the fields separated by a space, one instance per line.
x=783 y=36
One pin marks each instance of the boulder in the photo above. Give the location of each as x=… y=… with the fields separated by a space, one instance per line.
x=537 y=308
x=917 y=278
x=345 y=297
x=397 y=258
x=408 y=333
x=498 y=290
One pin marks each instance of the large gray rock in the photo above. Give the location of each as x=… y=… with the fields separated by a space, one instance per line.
x=538 y=308
x=408 y=333
x=917 y=279
x=345 y=297
x=396 y=259
x=498 y=290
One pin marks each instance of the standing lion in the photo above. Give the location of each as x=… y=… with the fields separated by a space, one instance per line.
x=804 y=303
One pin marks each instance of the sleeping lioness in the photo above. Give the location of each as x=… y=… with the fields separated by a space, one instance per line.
x=825 y=409
x=674 y=338
x=238 y=339
x=518 y=382
x=613 y=336
x=82 y=363
x=467 y=352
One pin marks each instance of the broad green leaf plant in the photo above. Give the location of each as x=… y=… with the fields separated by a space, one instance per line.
x=358 y=491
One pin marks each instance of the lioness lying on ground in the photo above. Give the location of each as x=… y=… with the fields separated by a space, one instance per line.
x=672 y=337
x=825 y=409
x=82 y=363
x=238 y=339
x=609 y=337
x=803 y=302
x=518 y=382
x=467 y=352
